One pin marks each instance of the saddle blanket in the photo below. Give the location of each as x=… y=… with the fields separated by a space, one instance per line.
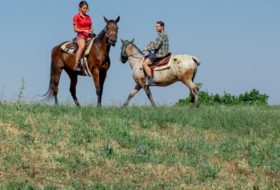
x=71 y=47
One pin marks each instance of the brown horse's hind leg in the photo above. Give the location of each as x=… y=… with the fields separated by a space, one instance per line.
x=132 y=94
x=73 y=83
x=56 y=69
x=194 y=91
x=55 y=72
x=57 y=65
x=56 y=78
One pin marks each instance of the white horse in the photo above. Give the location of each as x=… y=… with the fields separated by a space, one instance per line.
x=180 y=68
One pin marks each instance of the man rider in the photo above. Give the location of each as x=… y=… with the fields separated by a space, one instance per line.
x=160 y=49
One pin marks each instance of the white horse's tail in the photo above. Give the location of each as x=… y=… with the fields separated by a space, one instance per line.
x=196 y=60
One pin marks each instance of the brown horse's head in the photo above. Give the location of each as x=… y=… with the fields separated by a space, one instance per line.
x=111 y=30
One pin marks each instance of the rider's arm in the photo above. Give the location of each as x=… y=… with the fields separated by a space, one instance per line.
x=76 y=29
x=91 y=28
x=157 y=45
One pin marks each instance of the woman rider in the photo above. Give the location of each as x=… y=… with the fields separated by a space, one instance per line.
x=83 y=27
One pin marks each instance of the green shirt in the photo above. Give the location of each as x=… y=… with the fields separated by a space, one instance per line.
x=161 y=46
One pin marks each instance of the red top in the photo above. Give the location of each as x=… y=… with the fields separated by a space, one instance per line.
x=82 y=23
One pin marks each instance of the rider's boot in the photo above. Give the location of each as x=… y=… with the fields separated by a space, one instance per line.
x=151 y=81
x=76 y=67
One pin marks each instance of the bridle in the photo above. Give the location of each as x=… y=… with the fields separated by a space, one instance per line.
x=124 y=54
x=109 y=34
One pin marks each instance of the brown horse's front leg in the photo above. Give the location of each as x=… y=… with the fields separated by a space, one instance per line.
x=102 y=76
x=96 y=80
x=73 y=83
x=99 y=77
x=74 y=80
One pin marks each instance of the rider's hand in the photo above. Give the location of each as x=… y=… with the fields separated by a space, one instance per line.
x=88 y=31
x=145 y=49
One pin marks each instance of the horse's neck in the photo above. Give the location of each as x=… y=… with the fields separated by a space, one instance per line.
x=101 y=43
x=136 y=58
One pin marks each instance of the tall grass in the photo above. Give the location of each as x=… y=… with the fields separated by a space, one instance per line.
x=218 y=147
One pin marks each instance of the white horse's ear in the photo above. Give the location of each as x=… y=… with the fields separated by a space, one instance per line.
x=106 y=20
x=122 y=41
x=132 y=41
x=118 y=19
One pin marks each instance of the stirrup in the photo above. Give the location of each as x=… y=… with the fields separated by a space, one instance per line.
x=77 y=68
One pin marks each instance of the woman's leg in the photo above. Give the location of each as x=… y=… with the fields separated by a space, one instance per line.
x=82 y=44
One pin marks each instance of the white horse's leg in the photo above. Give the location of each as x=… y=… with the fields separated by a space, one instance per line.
x=194 y=91
x=149 y=94
x=132 y=94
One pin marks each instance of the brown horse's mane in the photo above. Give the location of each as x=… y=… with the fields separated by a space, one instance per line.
x=100 y=35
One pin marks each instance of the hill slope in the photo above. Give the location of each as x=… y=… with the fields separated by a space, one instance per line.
x=43 y=147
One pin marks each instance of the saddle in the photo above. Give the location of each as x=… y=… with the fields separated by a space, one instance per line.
x=161 y=62
x=71 y=47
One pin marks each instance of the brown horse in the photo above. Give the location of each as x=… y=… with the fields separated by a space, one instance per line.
x=98 y=63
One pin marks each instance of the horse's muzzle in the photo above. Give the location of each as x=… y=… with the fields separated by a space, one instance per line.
x=112 y=41
x=123 y=60
x=112 y=38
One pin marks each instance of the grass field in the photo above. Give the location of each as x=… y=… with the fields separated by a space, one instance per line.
x=47 y=147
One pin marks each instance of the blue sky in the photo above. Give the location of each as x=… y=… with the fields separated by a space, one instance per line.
x=237 y=41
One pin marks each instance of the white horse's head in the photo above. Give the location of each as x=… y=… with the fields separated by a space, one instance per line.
x=124 y=50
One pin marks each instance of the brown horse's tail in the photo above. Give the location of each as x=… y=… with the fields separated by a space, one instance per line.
x=49 y=94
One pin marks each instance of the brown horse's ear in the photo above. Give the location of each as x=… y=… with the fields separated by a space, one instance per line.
x=118 y=19
x=132 y=41
x=106 y=20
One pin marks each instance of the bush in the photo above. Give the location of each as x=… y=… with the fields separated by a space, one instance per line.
x=253 y=97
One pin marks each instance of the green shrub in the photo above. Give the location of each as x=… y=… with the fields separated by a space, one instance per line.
x=253 y=97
